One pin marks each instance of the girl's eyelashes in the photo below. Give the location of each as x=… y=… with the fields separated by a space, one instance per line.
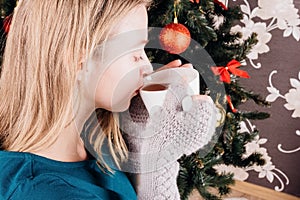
x=139 y=55
x=138 y=58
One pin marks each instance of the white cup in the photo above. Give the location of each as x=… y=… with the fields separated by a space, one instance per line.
x=153 y=95
x=156 y=97
x=176 y=75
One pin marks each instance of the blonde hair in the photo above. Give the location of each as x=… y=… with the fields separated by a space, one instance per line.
x=43 y=49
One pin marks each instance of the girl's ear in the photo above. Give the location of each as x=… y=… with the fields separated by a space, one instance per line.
x=79 y=74
x=79 y=70
x=80 y=66
x=82 y=59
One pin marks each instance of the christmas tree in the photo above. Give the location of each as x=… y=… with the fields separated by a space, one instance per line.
x=208 y=23
x=6 y=10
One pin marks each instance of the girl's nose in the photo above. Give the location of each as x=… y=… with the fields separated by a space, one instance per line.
x=146 y=67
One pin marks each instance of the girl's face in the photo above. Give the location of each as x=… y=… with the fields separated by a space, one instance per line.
x=125 y=62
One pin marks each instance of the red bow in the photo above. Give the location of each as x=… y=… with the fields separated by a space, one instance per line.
x=221 y=4
x=215 y=1
x=232 y=68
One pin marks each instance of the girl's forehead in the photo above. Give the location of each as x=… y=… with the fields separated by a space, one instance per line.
x=119 y=45
x=135 y=19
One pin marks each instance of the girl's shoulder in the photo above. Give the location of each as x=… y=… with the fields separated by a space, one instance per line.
x=51 y=189
x=28 y=176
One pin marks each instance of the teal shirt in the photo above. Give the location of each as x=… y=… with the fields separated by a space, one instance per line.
x=32 y=177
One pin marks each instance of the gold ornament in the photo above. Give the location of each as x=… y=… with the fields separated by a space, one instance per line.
x=221 y=115
x=200 y=164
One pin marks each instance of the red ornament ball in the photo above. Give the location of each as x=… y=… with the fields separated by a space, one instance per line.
x=6 y=23
x=175 y=38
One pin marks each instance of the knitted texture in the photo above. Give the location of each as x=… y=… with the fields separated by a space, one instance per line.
x=159 y=185
x=156 y=140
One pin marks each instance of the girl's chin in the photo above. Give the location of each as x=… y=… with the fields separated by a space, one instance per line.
x=122 y=105
x=125 y=105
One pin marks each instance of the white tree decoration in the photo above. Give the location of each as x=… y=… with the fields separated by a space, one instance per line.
x=283 y=16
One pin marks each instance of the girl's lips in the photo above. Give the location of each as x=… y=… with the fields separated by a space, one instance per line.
x=138 y=90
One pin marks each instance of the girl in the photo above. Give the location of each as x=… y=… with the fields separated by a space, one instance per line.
x=63 y=60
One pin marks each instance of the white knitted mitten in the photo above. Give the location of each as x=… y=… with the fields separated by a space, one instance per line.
x=155 y=142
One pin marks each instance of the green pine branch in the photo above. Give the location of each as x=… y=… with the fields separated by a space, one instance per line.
x=6 y=8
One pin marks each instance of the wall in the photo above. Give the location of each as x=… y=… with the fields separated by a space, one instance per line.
x=274 y=67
